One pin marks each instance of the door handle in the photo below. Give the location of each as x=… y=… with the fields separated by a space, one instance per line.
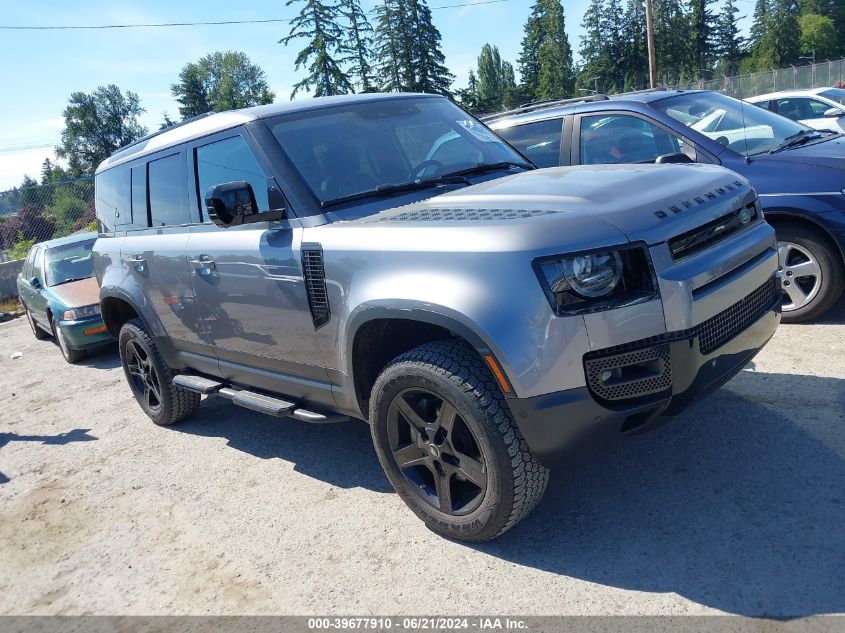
x=138 y=262
x=203 y=262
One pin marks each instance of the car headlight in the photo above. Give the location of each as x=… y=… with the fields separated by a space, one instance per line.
x=597 y=280
x=81 y=313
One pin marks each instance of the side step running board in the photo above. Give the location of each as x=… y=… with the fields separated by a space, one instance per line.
x=254 y=401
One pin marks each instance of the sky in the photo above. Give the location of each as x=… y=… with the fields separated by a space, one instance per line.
x=40 y=69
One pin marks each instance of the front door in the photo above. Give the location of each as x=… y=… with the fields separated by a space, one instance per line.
x=249 y=286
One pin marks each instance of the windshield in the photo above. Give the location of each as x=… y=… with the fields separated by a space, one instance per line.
x=358 y=147
x=743 y=127
x=69 y=263
x=834 y=94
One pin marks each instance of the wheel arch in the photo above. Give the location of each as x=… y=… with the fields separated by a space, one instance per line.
x=116 y=309
x=783 y=215
x=377 y=335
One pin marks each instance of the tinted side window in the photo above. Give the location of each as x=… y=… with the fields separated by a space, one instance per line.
x=26 y=272
x=539 y=142
x=619 y=138
x=167 y=191
x=797 y=108
x=228 y=160
x=112 y=198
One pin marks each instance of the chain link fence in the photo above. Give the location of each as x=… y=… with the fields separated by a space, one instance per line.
x=819 y=75
x=29 y=215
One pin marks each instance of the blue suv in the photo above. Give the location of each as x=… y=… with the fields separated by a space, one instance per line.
x=798 y=172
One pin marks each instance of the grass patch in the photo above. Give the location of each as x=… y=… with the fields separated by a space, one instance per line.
x=11 y=305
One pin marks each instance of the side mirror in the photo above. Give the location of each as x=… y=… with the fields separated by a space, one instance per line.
x=834 y=113
x=231 y=203
x=35 y=283
x=674 y=157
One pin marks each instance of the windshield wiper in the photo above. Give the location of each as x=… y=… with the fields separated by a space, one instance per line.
x=67 y=281
x=480 y=168
x=388 y=190
x=799 y=138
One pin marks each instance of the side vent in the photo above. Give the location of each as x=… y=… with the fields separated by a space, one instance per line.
x=315 y=283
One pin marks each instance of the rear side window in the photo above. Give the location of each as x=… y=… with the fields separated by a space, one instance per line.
x=27 y=265
x=228 y=160
x=539 y=142
x=167 y=191
x=36 y=264
x=139 y=195
x=112 y=199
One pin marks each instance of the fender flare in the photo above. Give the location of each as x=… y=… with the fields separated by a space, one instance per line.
x=788 y=212
x=112 y=292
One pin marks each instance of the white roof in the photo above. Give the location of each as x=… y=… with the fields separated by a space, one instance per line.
x=787 y=93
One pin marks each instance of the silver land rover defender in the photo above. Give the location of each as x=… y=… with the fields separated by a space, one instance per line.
x=387 y=258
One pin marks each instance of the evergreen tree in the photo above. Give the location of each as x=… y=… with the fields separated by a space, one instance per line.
x=759 y=24
x=594 y=52
x=546 y=59
x=671 y=37
x=318 y=23
x=510 y=91
x=427 y=57
x=220 y=81
x=702 y=28
x=728 y=41
x=468 y=97
x=358 y=44
x=388 y=45
x=635 y=59
x=780 y=44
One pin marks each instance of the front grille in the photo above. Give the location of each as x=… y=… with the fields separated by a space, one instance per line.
x=715 y=231
x=721 y=328
x=315 y=283
x=635 y=374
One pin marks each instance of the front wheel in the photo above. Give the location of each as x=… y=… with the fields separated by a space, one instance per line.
x=70 y=354
x=150 y=379
x=811 y=273
x=449 y=445
x=37 y=332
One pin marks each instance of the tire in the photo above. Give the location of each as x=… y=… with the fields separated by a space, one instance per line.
x=489 y=477
x=804 y=250
x=70 y=354
x=150 y=379
x=37 y=332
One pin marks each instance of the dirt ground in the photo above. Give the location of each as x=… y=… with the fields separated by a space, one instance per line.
x=737 y=506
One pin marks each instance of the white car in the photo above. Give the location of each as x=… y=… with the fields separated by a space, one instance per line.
x=818 y=108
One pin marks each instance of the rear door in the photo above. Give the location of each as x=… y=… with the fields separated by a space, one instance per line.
x=36 y=301
x=155 y=257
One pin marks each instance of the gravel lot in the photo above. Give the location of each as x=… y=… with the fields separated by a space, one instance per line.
x=738 y=506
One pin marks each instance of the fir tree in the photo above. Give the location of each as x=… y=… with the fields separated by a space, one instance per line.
x=729 y=42
x=759 y=24
x=671 y=36
x=636 y=46
x=387 y=45
x=358 y=44
x=318 y=23
x=546 y=59
x=468 y=97
x=428 y=64
x=702 y=36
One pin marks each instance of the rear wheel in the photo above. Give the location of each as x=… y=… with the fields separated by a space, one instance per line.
x=449 y=446
x=37 y=332
x=811 y=273
x=70 y=354
x=150 y=379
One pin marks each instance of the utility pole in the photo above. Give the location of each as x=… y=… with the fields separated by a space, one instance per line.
x=649 y=26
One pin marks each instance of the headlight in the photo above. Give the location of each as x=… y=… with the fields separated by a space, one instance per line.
x=81 y=313
x=597 y=280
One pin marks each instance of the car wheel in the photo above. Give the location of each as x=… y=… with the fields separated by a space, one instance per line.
x=448 y=444
x=811 y=273
x=150 y=379
x=37 y=332
x=70 y=354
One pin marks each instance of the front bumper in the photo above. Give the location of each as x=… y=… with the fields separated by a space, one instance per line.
x=658 y=376
x=85 y=333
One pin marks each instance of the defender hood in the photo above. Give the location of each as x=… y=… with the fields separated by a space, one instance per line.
x=649 y=203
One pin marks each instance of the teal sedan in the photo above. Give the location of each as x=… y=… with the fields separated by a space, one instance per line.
x=61 y=296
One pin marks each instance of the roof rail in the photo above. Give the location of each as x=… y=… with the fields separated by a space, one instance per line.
x=547 y=103
x=147 y=137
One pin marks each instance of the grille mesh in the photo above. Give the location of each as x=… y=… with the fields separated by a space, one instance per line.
x=315 y=283
x=728 y=323
x=647 y=385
